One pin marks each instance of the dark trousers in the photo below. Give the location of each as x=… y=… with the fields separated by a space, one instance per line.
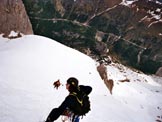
x=54 y=114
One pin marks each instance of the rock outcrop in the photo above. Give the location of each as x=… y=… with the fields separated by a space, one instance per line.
x=14 y=17
x=159 y=72
x=102 y=70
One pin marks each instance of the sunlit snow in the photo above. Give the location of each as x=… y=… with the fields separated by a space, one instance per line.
x=29 y=65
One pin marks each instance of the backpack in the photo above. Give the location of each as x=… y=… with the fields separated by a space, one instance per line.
x=82 y=106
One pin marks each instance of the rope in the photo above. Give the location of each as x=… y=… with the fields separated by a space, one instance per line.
x=75 y=94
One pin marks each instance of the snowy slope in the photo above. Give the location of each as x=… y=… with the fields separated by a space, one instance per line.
x=29 y=65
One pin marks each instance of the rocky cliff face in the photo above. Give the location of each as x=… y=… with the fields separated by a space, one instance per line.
x=130 y=33
x=14 y=17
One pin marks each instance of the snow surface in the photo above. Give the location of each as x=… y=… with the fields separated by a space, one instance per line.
x=128 y=2
x=12 y=33
x=29 y=65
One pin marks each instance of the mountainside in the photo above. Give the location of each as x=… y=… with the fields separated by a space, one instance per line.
x=129 y=31
x=29 y=65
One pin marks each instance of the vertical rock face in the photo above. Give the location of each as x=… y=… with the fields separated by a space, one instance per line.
x=14 y=17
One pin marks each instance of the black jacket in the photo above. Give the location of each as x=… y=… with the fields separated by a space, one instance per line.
x=69 y=102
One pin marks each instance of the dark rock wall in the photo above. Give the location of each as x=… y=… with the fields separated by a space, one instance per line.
x=132 y=34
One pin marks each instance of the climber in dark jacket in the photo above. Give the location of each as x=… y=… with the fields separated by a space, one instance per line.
x=70 y=101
